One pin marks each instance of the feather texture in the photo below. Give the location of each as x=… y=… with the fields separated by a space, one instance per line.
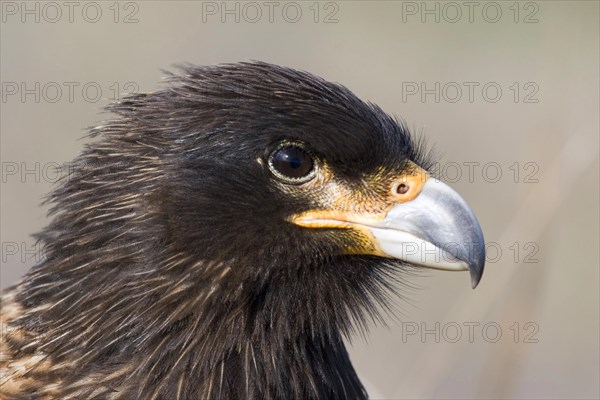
x=171 y=271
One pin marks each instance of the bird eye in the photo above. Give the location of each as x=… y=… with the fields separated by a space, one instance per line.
x=291 y=162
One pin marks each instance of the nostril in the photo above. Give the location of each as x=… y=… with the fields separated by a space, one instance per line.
x=402 y=188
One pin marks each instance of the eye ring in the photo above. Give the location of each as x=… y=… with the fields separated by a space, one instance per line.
x=292 y=162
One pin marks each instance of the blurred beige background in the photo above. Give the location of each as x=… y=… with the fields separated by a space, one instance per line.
x=531 y=328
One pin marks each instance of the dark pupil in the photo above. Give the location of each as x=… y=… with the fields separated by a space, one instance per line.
x=293 y=162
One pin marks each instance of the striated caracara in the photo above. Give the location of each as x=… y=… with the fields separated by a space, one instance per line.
x=221 y=237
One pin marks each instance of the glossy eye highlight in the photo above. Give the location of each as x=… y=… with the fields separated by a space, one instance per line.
x=292 y=163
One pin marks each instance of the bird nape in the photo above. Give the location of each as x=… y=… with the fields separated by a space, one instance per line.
x=221 y=237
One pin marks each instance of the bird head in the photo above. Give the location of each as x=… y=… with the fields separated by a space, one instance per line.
x=245 y=211
x=254 y=181
x=280 y=168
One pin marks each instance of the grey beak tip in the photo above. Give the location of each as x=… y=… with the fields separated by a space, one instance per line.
x=476 y=271
x=475 y=280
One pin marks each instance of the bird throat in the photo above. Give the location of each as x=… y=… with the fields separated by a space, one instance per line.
x=215 y=339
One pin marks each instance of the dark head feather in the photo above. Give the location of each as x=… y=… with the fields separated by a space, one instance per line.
x=171 y=271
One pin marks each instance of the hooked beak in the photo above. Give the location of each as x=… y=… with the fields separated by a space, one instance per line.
x=433 y=228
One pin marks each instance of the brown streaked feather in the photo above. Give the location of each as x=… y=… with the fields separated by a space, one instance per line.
x=20 y=371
